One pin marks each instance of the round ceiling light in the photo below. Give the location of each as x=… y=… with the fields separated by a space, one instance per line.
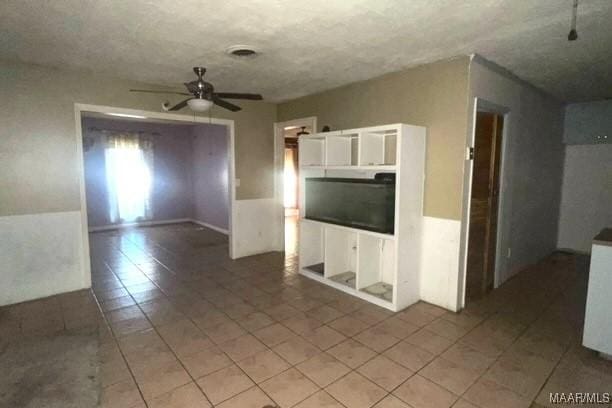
x=199 y=105
x=241 y=51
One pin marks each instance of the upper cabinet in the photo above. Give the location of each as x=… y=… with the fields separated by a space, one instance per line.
x=588 y=123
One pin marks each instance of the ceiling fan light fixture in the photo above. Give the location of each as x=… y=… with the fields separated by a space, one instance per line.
x=199 y=105
x=242 y=51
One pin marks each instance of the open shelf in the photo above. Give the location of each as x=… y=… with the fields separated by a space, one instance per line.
x=340 y=253
x=378 y=148
x=312 y=151
x=312 y=248
x=341 y=150
x=347 y=278
x=376 y=266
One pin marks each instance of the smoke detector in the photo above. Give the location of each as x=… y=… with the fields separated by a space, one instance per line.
x=242 y=51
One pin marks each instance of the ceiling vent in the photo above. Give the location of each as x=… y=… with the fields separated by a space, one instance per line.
x=242 y=51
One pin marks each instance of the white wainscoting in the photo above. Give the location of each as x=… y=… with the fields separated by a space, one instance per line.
x=440 y=262
x=255 y=227
x=41 y=255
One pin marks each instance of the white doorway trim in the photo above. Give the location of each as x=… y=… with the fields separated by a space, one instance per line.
x=81 y=108
x=279 y=158
x=480 y=105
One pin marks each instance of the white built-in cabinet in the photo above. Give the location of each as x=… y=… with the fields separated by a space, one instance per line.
x=380 y=268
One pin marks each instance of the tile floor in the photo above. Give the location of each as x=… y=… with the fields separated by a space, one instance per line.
x=184 y=326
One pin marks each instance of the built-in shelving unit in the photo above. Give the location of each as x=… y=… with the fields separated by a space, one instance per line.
x=380 y=268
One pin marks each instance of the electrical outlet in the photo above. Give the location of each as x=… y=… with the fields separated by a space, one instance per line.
x=509 y=254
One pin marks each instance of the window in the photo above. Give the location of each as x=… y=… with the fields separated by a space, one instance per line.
x=129 y=177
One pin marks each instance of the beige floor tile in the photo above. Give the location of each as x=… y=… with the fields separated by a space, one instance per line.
x=161 y=312
x=415 y=316
x=377 y=338
x=464 y=319
x=225 y=383
x=429 y=341
x=468 y=357
x=263 y=365
x=324 y=337
x=369 y=316
x=159 y=378
x=419 y=392
x=452 y=376
x=409 y=355
x=255 y=321
x=295 y=350
x=206 y=361
x=391 y=401
x=447 y=329
x=129 y=326
x=282 y=312
x=274 y=334
x=224 y=332
x=325 y=313
x=461 y=403
x=429 y=308
x=384 y=372
x=352 y=353
x=123 y=394
x=186 y=396
x=113 y=372
x=125 y=313
x=398 y=327
x=242 y=347
x=210 y=318
x=184 y=337
x=486 y=393
x=252 y=398
x=521 y=371
x=349 y=326
x=320 y=400
x=356 y=391
x=302 y=325
x=289 y=387
x=323 y=369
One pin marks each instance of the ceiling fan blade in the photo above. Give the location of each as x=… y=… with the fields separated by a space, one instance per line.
x=234 y=95
x=179 y=105
x=225 y=104
x=159 y=92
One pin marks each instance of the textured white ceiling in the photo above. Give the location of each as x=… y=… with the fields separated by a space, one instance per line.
x=311 y=45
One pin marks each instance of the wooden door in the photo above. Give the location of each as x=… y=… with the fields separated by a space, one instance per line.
x=484 y=205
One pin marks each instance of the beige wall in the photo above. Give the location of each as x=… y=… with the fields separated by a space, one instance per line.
x=432 y=95
x=38 y=162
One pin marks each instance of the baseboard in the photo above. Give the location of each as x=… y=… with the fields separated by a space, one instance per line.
x=139 y=224
x=573 y=251
x=212 y=227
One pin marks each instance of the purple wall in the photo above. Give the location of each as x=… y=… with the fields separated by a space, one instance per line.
x=190 y=165
x=172 y=195
x=210 y=178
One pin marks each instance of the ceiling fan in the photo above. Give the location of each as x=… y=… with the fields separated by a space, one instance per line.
x=202 y=95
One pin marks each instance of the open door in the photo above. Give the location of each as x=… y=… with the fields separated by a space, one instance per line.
x=484 y=205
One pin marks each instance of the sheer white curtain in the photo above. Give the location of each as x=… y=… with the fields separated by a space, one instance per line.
x=129 y=176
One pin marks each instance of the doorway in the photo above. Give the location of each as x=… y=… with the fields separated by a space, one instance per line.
x=287 y=180
x=142 y=214
x=484 y=204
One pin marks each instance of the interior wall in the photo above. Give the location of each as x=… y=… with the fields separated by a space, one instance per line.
x=172 y=196
x=209 y=175
x=532 y=165
x=586 y=204
x=39 y=170
x=432 y=95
